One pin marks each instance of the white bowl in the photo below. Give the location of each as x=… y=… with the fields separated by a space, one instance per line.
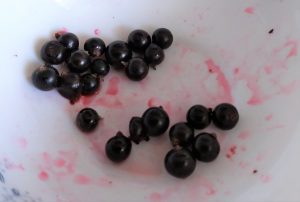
x=223 y=51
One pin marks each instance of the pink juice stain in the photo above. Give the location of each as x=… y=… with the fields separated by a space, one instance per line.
x=221 y=79
x=43 y=176
x=22 y=142
x=244 y=135
x=249 y=10
x=82 y=180
x=97 y=32
x=113 y=86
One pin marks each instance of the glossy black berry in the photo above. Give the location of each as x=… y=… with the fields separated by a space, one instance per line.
x=137 y=69
x=162 y=37
x=137 y=131
x=206 y=147
x=79 y=62
x=45 y=78
x=118 y=148
x=70 y=86
x=199 y=117
x=100 y=67
x=118 y=51
x=87 y=120
x=156 y=121
x=94 y=46
x=53 y=52
x=139 y=40
x=69 y=41
x=225 y=116
x=90 y=84
x=180 y=163
x=154 y=55
x=181 y=134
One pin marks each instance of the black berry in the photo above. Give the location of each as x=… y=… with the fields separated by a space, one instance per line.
x=162 y=37
x=137 y=131
x=87 y=120
x=139 y=40
x=69 y=41
x=70 y=86
x=206 y=147
x=100 y=67
x=199 y=117
x=225 y=116
x=79 y=62
x=118 y=51
x=181 y=134
x=45 y=78
x=137 y=69
x=90 y=84
x=154 y=55
x=118 y=148
x=53 y=52
x=180 y=163
x=94 y=46
x=156 y=121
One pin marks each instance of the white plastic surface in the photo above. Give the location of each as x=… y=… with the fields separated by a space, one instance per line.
x=222 y=52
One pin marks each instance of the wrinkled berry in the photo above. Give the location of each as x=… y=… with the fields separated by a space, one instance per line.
x=53 y=52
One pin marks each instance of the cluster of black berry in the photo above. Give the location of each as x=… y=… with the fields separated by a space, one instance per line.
x=86 y=67
x=181 y=160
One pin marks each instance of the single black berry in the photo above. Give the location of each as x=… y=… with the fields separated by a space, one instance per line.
x=180 y=163
x=162 y=37
x=225 y=116
x=206 y=147
x=53 y=52
x=87 y=120
x=94 y=46
x=69 y=41
x=90 y=84
x=137 y=69
x=45 y=78
x=70 y=86
x=181 y=134
x=156 y=121
x=118 y=148
x=139 y=40
x=137 y=131
x=154 y=55
x=118 y=51
x=100 y=67
x=79 y=62
x=199 y=117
